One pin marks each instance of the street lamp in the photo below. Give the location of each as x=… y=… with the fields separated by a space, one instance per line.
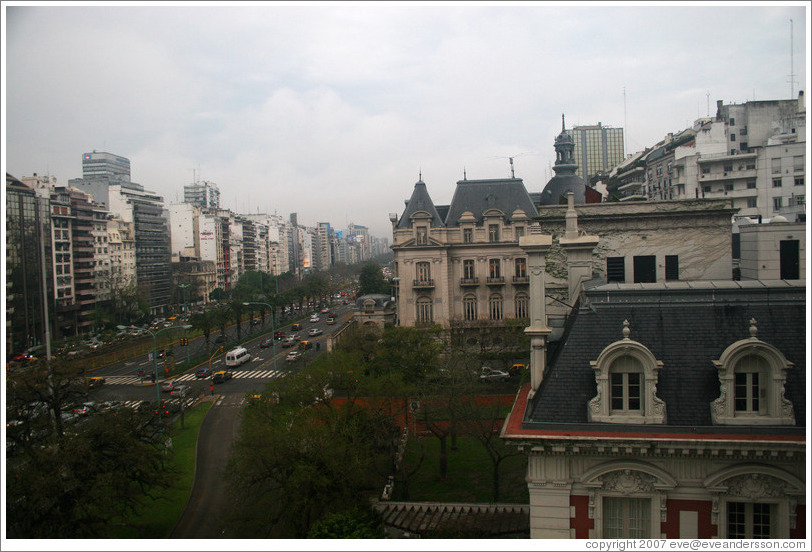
x=273 y=327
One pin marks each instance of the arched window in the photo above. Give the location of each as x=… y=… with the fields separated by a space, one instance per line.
x=752 y=375
x=522 y=302
x=626 y=374
x=425 y=313
x=469 y=304
x=495 y=307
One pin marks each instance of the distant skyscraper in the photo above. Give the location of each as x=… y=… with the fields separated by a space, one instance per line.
x=105 y=166
x=203 y=194
x=597 y=148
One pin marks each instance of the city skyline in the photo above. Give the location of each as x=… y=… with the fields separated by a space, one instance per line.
x=334 y=111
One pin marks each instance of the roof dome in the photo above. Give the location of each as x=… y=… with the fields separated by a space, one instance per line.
x=565 y=179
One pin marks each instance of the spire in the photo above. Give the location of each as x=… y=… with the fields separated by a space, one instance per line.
x=420 y=176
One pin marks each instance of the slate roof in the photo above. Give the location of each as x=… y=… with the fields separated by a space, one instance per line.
x=478 y=196
x=420 y=201
x=686 y=325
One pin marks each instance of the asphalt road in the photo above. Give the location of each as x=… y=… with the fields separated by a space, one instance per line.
x=202 y=517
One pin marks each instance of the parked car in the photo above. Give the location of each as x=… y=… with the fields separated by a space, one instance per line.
x=85 y=409
x=314 y=332
x=266 y=343
x=293 y=356
x=202 y=373
x=180 y=391
x=488 y=375
x=221 y=377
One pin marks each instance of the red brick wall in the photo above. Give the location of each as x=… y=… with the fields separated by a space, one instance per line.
x=581 y=522
x=705 y=529
x=800 y=523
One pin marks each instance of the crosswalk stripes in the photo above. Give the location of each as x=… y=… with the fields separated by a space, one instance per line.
x=237 y=374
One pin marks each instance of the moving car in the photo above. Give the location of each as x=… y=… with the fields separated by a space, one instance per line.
x=220 y=339
x=94 y=382
x=488 y=375
x=331 y=321
x=296 y=327
x=222 y=376
x=266 y=343
x=293 y=356
x=314 y=318
x=202 y=373
x=85 y=409
x=180 y=391
x=314 y=332
x=289 y=342
x=168 y=385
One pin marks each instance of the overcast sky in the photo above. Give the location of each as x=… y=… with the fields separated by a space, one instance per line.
x=332 y=111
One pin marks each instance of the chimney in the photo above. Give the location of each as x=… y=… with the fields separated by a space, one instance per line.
x=578 y=247
x=537 y=245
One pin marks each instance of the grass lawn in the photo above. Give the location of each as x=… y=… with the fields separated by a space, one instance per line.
x=469 y=476
x=156 y=518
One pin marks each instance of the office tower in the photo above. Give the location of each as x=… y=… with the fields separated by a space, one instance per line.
x=597 y=149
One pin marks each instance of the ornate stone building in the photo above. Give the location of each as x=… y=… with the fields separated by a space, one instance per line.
x=668 y=410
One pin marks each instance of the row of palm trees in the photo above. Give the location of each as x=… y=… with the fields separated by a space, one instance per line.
x=251 y=294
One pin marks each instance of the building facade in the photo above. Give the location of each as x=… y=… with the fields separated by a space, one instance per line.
x=597 y=149
x=204 y=194
x=668 y=411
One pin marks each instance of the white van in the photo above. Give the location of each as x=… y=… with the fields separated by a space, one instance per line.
x=237 y=356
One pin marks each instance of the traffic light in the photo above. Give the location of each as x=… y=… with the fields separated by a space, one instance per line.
x=184 y=341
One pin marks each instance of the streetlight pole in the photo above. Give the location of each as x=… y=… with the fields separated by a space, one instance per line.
x=273 y=327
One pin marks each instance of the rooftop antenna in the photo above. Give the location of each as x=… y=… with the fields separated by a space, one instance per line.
x=707 y=99
x=625 y=147
x=791 y=61
x=512 y=174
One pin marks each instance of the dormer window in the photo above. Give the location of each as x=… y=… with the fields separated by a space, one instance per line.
x=467 y=235
x=493 y=232
x=626 y=374
x=752 y=375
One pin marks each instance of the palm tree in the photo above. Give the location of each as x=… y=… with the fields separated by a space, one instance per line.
x=205 y=322
x=237 y=309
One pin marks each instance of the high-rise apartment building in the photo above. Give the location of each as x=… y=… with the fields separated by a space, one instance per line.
x=203 y=194
x=597 y=149
x=106 y=177
x=28 y=247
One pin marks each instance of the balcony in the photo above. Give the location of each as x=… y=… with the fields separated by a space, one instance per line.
x=521 y=279
x=423 y=284
x=496 y=281
x=469 y=282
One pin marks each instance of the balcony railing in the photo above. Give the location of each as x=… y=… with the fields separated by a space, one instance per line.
x=423 y=283
x=469 y=281
x=521 y=279
x=495 y=281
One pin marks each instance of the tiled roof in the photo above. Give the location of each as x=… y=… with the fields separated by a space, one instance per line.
x=686 y=326
x=422 y=518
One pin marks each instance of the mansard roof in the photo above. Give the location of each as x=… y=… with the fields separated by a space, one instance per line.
x=687 y=326
x=479 y=196
x=420 y=203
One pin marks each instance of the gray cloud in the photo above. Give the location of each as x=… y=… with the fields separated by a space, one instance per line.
x=331 y=111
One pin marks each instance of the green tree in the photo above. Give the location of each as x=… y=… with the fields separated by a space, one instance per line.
x=73 y=484
x=353 y=524
x=371 y=280
x=299 y=457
